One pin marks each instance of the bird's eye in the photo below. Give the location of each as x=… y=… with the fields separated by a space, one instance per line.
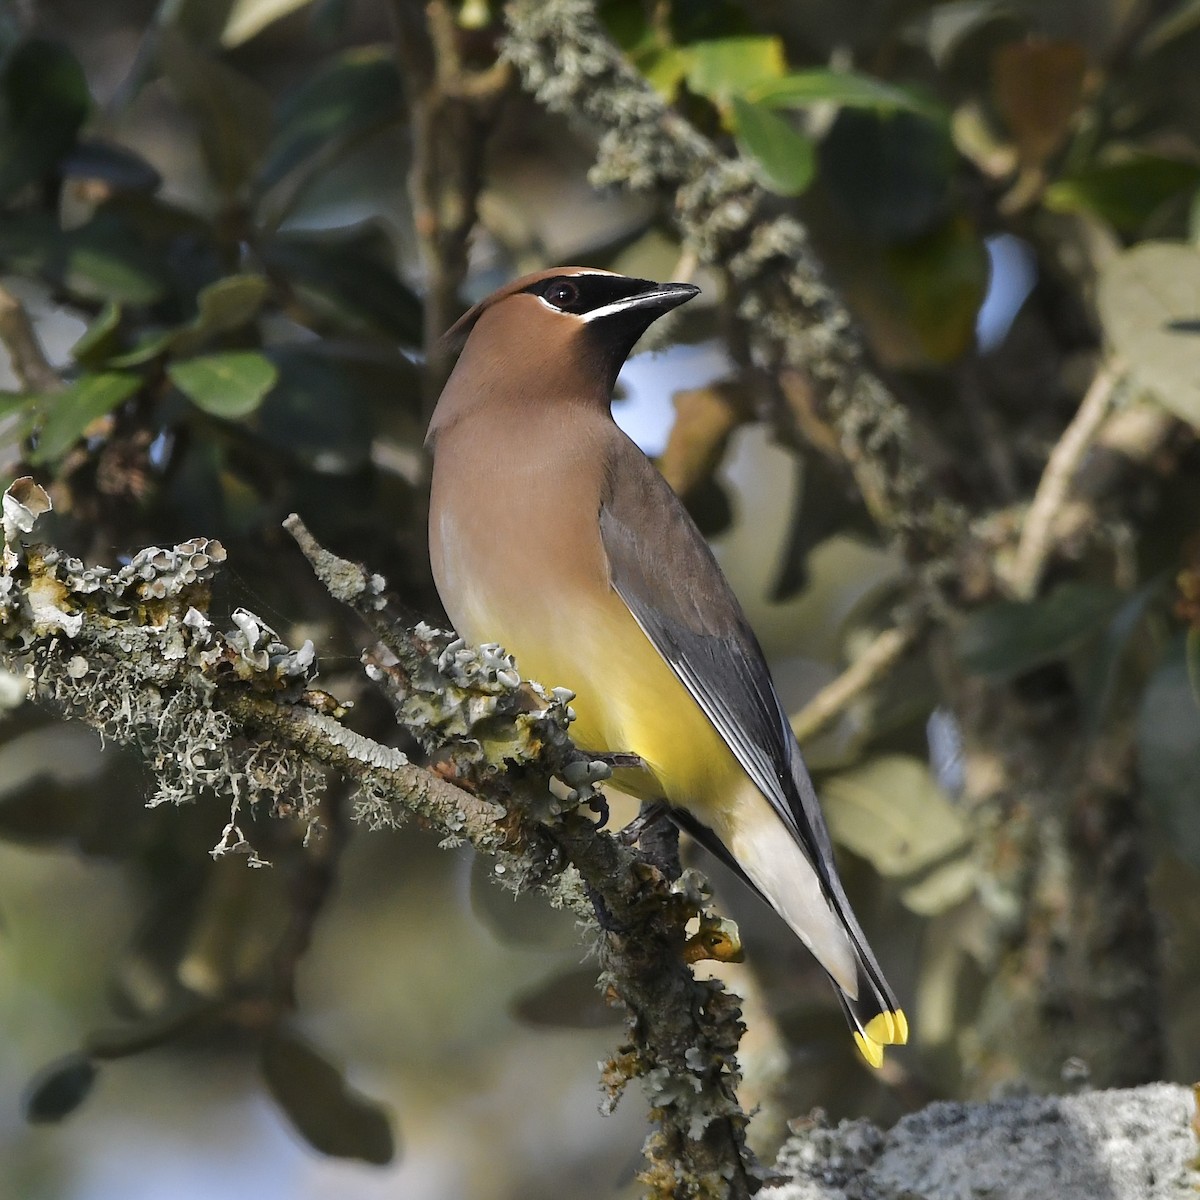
x=562 y=294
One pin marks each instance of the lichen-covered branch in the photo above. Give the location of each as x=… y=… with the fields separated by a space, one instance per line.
x=234 y=712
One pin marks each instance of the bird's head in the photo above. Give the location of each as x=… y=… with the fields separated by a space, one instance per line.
x=565 y=331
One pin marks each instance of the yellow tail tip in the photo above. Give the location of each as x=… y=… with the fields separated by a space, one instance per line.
x=871 y=1051
x=883 y=1029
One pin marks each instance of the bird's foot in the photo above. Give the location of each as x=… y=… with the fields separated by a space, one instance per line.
x=651 y=814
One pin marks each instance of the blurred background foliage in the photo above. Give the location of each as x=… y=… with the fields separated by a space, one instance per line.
x=208 y=213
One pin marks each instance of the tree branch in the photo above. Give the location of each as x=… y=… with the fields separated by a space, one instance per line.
x=29 y=362
x=133 y=653
x=874 y=663
x=1037 y=538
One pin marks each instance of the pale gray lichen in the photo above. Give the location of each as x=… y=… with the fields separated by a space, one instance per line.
x=469 y=704
x=131 y=652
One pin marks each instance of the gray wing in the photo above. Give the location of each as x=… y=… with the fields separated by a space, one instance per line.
x=664 y=571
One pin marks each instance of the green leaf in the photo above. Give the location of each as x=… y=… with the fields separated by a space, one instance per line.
x=939 y=282
x=99 y=339
x=665 y=68
x=233 y=112
x=1007 y=639
x=724 y=67
x=330 y=1115
x=225 y=305
x=785 y=156
x=70 y=412
x=225 y=385
x=892 y=813
x=1109 y=671
x=1168 y=741
x=44 y=101
x=1149 y=302
x=1126 y=194
x=359 y=91
x=800 y=89
x=890 y=172
x=109 y=259
x=343 y=280
x=318 y=410
x=250 y=17
x=59 y=1089
x=149 y=346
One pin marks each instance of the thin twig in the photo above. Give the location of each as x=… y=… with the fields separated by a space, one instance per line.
x=29 y=362
x=1037 y=539
x=455 y=109
x=879 y=658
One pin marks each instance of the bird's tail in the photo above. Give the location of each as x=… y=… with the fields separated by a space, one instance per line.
x=874 y=1016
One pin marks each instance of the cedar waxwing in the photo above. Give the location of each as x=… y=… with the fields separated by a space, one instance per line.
x=552 y=534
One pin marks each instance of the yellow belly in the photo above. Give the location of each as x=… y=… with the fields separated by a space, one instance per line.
x=627 y=697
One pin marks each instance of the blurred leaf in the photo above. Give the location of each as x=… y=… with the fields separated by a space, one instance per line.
x=234 y=113
x=785 y=157
x=1105 y=669
x=704 y=419
x=149 y=346
x=626 y=21
x=222 y=306
x=724 y=67
x=890 y=812
x=330 y=1115
x=100 y=337
x=59 y=1089
x=342 y=280
x=200 y=21
x=249 y=17
x=941 y=279
x=949 y=24
x=799 y=89
x=44 y=101
x=70 y=412
x=1126 y=194
x=355 y=93
x=942 y=887
x=712 y=19
x=318 y=410
x=1192 y=655
x=116 y=166
x=1149 y=303
x=1168 y=741
x=891 y=172
x=1011 y=637
x=109 y=259
x=665 y=68
x=570 y=1000
x=228 y=385
x=1037 y=85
